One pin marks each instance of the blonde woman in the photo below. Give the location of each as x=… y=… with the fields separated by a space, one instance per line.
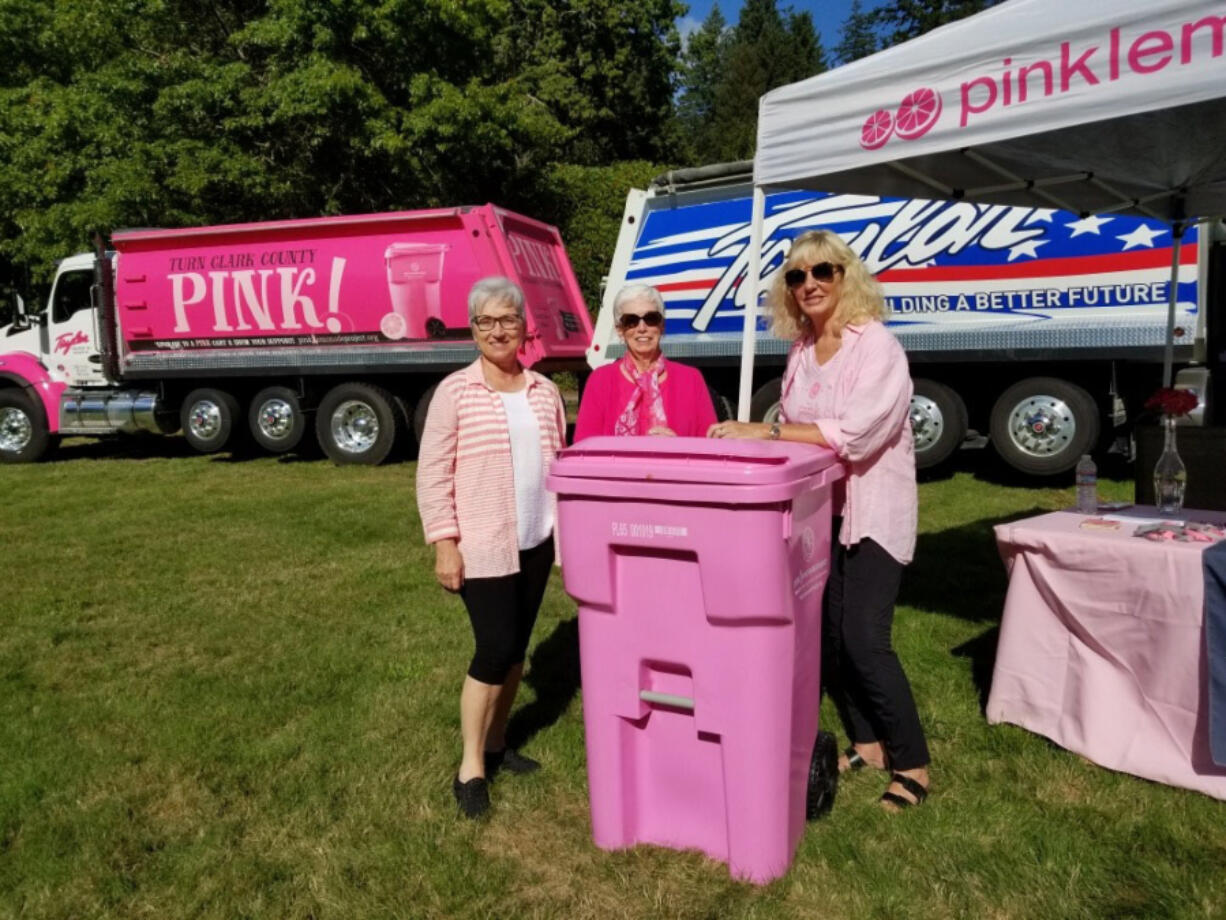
x=847 y=387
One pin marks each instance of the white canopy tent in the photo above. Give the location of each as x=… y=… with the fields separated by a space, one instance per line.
x=1112 y=106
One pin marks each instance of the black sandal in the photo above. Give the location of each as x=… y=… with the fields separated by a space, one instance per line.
x=912 y=786
x=854 y=760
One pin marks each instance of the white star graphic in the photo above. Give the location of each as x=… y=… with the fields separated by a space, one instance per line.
x=1026 y=249
x=1041 y=215
x=1142 y=236
x=1091 y=224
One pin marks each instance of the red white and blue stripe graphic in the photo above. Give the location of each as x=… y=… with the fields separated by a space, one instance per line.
x=940 y=262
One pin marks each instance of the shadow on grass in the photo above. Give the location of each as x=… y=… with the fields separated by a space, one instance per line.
x=985 y=465
x=553 y=673
x=982 y=654
x=143 y=446
x=958 y=571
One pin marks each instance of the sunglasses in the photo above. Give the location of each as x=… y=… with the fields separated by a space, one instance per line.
x=822 y=271
x=652 y=318
x=508 y=321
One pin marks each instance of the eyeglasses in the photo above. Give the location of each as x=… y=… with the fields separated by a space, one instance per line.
x=652 y=318
x=822 y=271
x=508 y=321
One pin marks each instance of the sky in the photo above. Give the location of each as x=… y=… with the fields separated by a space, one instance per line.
x=828 y=15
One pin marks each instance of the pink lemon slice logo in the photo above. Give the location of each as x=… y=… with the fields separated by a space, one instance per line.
x=876 y=130
x=393 y=326
x=917 y=114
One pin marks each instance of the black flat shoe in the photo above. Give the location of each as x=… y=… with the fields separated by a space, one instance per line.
x=912 y=786
x=473 y=797
x=510 y=760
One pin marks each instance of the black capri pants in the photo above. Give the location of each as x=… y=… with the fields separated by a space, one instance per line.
x=503 y=611
x=860 y=669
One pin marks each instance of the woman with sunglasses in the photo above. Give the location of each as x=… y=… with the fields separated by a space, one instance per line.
x=847 y=387
x=492 y=430
x=644 y=392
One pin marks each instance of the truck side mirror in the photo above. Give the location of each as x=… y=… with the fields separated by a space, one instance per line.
x=21 y=319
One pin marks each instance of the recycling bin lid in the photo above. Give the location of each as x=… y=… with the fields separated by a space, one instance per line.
x=724 y=461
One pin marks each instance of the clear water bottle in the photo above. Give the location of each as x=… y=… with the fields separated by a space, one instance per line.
x=1087 y=485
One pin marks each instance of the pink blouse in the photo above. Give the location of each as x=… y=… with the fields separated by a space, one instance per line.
x=860 y=400
x=687 y=402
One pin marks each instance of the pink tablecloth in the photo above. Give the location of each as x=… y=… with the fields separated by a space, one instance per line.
x=1102 y=646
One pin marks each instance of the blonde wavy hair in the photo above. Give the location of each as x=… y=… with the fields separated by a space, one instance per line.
x=860 y=297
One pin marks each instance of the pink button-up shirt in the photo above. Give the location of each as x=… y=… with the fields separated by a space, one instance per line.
x=860 y=400
x=465 y=479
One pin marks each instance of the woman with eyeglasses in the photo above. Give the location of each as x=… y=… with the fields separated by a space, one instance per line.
x=847 y=387
x=492 y=430
x=644 y=393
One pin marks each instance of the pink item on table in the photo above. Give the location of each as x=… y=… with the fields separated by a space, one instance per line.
x=1102 y=647
x=698 y=567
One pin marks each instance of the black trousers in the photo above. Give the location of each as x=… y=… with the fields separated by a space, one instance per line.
x=860 y=670
x=503 y=611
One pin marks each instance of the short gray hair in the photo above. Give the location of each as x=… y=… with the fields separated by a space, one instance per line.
x=498 y=288
x=633 y=292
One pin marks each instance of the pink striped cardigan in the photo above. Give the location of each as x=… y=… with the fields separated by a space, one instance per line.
x=465 y=482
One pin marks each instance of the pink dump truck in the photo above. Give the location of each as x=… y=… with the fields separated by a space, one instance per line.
x=261 y=332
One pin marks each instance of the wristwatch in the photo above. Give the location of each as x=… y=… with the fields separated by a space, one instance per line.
x=774 y=432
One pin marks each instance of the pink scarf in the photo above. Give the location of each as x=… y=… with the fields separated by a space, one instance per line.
x=645 y=410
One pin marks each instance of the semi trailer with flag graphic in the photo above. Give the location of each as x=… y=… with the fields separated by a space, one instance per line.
x=277 y=334
x=1040 y=329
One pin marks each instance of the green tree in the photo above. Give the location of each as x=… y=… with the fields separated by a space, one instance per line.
x=702 y=65
x=906 y=19
x=181 y=112
x=859 y=38
x=766 y=50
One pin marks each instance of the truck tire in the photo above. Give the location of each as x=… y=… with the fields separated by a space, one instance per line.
x=211 y=419
x=24 y=437
x=764 y=406
x=724 y=410
x=420 y=411
x=1042 y=425
x=276 y=419
x=358 y=423
x=938 y=422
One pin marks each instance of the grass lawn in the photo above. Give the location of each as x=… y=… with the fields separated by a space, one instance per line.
x=229 y=689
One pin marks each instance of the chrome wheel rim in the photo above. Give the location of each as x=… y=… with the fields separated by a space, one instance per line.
x=355 y=426
x=16 y=430
x=275 y=418
x=773 y=413
x=927 y=422
x=204 y=419
x=1041 y=426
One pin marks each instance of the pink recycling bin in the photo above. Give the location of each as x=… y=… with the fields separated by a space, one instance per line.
x=698 y=567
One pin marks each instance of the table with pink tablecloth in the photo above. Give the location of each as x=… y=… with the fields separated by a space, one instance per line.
x=1102 y=645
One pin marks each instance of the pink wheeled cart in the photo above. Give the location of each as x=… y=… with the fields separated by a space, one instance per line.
x=698 y=567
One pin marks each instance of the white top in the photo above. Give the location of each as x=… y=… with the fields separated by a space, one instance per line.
x=533 y=509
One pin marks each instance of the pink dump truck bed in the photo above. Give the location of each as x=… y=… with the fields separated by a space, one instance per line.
x=380 y=291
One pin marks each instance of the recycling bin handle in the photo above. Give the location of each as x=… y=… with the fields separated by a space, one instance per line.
x=667 y=699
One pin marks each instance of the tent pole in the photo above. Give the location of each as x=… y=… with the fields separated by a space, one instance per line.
x=1168 y=352
x=752 y=280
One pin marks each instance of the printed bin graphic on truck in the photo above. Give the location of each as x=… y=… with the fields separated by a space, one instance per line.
x=1033 y=324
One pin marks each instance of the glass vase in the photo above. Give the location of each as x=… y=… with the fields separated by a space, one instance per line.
x=1170 y=475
